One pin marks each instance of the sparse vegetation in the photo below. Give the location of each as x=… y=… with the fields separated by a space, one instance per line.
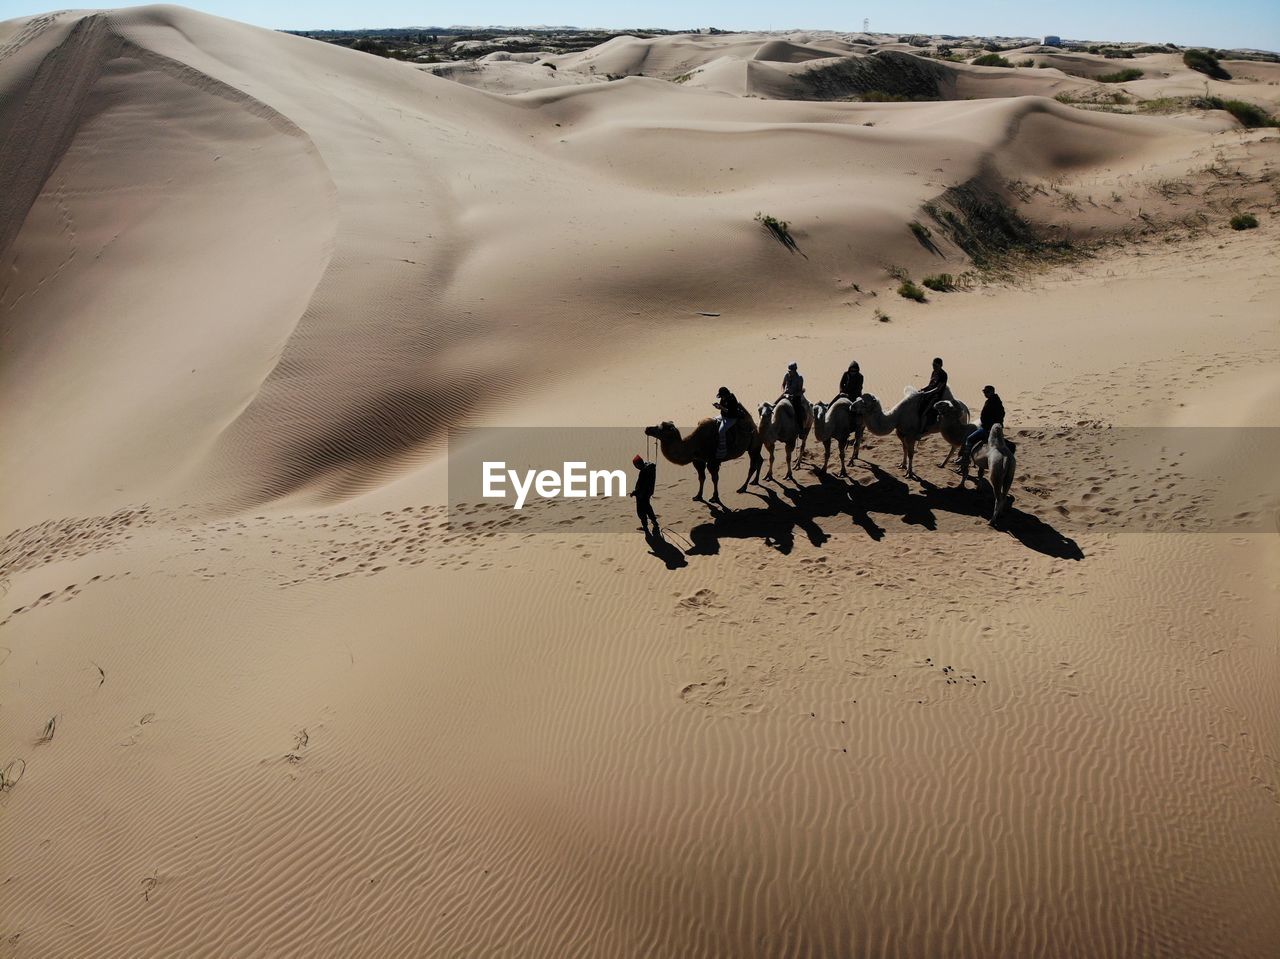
x=1121 y=76
x=941 y=283
x=780 y=230
x=1250 y=115
x=991 y=60
x=881 y=315
x=1244 y=221
x=1204 y=61
x=47 y=734
x=1027 y=62
x=880 y=96
x=910 y=291
x=11 y=773
x=683 y=78
x=922 y=232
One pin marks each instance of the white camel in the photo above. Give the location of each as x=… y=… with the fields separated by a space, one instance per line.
x=998 y=456
x=836 y=421
x=779 y=423
x=906 y=419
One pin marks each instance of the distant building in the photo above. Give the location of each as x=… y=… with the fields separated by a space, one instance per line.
x=1051 y=41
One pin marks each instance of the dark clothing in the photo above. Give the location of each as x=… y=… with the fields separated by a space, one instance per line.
x=938 y=380
x=645 y=481
x=992 y=412
x=730 y=408
x=851 y=384
x=644 y=509
x=643 y=492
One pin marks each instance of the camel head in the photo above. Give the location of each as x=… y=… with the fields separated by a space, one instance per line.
x=666 y=430
x=820 y=411
x=947 y=410
x=765 y=410
x=866 y=402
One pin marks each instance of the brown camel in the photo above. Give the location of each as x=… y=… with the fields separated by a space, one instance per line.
x=906 y=419
x=701 y=446
x=954 y=425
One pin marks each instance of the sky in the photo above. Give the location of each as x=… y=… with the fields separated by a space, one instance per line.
x=1222 y=23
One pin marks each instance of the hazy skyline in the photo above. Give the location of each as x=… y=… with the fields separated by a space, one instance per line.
x=1229 y=23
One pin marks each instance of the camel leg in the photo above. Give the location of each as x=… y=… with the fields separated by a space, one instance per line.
x=951 y=452
x=753 y=470
x=826 y=456
x=857 y=440
x=714 y=467
x=909 y=457
x=790 y=449
x=702 y=479
x=844 y=444
x=768 y=477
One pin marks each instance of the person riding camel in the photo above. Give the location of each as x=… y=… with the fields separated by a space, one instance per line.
x=933 y=392
x=992 y=413
x=730 y=412
x=793 y=386
x=851 y=382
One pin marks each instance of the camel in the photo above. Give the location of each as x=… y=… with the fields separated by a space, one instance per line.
x=701 y=446
x=836 y=420
x=954 y=425
x=998 y=457
x=905 y=419
x=779 y=424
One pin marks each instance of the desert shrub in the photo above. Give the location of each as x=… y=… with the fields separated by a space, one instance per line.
x=1121 y=76
x=1203 y=61
x=1249 y=114
x=779 y=229
x=1027 y=63
x=1244 y=221
x=880 y=96
x=942 y=283
x=910 y=291
x=991 y=60
x=881 y=315
x=922 y=232
x=371 y=46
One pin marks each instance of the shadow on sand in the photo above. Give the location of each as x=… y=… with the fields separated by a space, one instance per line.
x=789 y=509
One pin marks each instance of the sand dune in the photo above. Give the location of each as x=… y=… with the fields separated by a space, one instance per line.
x=252 y=280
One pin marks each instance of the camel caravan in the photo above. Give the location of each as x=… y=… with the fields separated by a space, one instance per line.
x=788 y=421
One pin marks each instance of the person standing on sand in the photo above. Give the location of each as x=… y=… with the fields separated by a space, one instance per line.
x=851 y=382
x=645 y=481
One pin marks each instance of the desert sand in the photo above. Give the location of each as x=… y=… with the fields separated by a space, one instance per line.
x=262 y=694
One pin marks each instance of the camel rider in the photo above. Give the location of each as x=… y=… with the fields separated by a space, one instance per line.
x=851 y=382
x=933 y=392
x=793 y=386
x=730 y=412
x=992 y=413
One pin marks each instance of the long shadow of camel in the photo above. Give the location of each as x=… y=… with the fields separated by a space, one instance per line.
x=777 y=520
